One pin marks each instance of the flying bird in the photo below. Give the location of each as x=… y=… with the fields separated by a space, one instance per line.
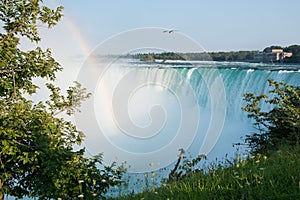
x=169 y=31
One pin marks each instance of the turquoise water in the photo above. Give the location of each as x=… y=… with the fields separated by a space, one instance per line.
x=143 y=113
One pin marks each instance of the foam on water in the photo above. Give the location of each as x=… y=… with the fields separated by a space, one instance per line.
x=215 y=88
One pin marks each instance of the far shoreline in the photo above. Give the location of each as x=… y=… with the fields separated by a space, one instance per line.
x=272 y=54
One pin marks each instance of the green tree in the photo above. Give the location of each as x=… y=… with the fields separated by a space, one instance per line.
x=37 y=158
x=269 y=49
x=281 y=124
x=295 y=49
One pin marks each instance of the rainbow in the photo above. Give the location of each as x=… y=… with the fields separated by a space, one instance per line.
x=77 y=34
x=71 y=24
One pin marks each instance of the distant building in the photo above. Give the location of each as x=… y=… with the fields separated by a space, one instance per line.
x=274 y=56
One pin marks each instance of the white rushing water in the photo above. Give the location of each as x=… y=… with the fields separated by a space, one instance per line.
x=143 y=113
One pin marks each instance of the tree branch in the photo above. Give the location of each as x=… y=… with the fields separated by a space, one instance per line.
x=3 y=71
x=14 y=85
x=60 y=111
x=10 y=33
x=24 y=145
x=172 y=173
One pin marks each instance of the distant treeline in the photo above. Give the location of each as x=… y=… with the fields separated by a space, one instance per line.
x=219 y=56
x=150 y=57
x=203 y=56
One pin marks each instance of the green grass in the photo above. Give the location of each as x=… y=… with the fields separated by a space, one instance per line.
x=276 y=176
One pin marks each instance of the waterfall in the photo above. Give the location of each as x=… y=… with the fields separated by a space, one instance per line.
x=144 y=112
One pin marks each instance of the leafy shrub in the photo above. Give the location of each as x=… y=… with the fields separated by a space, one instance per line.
x=281 y=124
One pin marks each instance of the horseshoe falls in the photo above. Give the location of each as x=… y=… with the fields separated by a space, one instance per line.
x=236 y=81
x=143 y=113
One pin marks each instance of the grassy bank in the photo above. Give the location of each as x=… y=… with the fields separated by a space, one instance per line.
x=276 y=176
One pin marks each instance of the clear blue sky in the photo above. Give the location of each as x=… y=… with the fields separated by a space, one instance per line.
x=218 y=25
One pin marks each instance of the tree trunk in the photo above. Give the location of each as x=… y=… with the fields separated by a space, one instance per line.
x=1 y=194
